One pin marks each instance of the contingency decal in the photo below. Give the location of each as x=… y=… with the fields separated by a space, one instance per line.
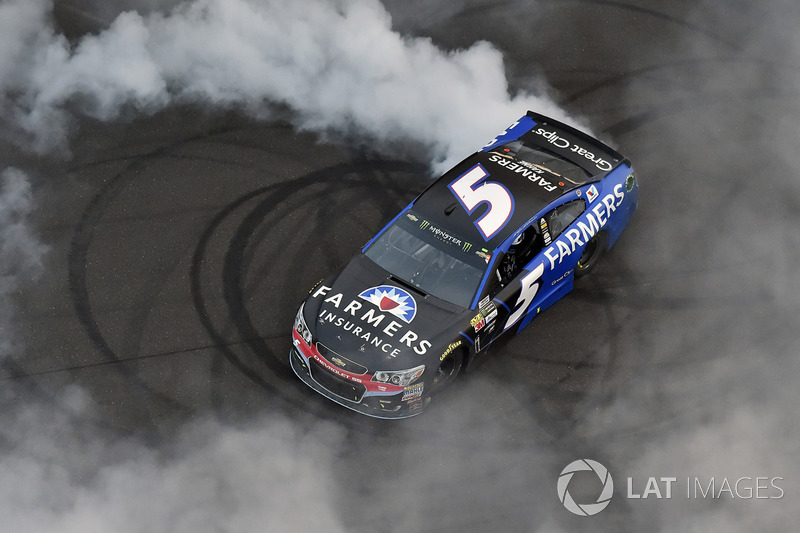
x=485 y=318
x=591 y=194
x=413 y=392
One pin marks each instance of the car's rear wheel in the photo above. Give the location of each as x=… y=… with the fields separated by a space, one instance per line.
x=591 y=255
x=448 y=369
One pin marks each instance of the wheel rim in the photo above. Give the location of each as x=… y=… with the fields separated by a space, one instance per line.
x=445 y=372
x=588 y=253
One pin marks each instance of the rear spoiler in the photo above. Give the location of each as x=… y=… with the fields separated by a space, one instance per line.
x=581 y=149
x=592 y=155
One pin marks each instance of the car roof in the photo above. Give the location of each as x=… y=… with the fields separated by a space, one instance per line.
x=530 y=189
x=439 y=204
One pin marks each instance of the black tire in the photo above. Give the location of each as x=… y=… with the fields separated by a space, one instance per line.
x=448 y=369
x=591 y=255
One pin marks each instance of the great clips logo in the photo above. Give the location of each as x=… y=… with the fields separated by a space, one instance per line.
x=393 y=300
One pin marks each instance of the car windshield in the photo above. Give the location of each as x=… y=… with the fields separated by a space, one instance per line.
x=431 y=258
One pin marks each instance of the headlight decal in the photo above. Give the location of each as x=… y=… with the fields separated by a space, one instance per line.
x=400 y=378
x=301 y=327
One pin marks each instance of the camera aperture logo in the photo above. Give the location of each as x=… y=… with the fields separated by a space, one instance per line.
x=585 y=486
x=585 y=509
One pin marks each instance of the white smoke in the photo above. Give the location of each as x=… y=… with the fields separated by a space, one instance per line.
x=62 y=474
x=340 y=69
x=710 y=395
x=712 y=388
x=21 y=252
x=337 y=65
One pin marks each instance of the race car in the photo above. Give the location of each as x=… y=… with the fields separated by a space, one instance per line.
x=480 y=253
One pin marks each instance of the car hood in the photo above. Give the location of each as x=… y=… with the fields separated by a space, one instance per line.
x=369 y=318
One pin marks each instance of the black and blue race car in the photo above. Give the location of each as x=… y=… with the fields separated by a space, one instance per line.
x=481 y=252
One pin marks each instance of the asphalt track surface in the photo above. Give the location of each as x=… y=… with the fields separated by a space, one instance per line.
x=180 y=245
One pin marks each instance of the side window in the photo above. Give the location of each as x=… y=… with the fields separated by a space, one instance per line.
x=557 y=220
x=521 y=251
x=535 y=237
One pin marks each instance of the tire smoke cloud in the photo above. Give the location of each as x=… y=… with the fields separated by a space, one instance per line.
x=340 y=70
x=21 y=252
x=712 y=250
x=712 y=395
x=61 y=474
x=337 y=66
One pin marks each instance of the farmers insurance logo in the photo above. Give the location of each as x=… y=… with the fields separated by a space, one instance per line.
x=392 y=300
x=586 y=509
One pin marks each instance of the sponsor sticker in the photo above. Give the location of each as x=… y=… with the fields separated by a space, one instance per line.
x=413 y=392
x=393 y=300
x=369 y=324
x=477 y=318
x=452 y=346
x=592 y=194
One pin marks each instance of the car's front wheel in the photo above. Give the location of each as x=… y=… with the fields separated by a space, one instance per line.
x=448 y=369
x=591 y=255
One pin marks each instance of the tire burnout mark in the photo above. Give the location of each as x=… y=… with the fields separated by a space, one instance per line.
x=196 y=288
x=269 y=366
x=235 y=269
x=266 y=368
x=76 y=271
x=480 y=10
x=388 y=196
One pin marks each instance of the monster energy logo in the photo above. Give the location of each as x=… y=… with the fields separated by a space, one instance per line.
x=442 y=235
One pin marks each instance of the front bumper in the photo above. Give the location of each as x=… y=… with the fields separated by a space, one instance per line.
x=363 y=396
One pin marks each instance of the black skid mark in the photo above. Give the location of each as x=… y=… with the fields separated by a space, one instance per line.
x=201 y=309
x=76 y=271
x=261 y=229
